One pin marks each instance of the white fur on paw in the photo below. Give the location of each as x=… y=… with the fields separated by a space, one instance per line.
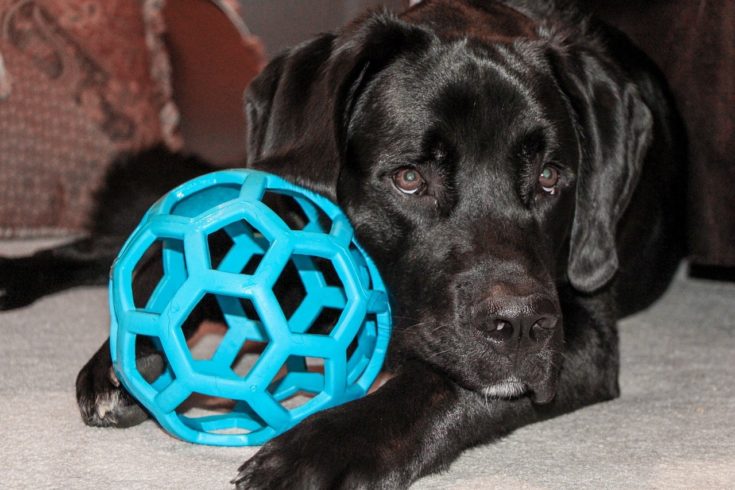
x=106 y=402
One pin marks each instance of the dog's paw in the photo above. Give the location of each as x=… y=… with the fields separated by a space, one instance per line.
x=104 y=402
x=18 y=285
x=328 y=450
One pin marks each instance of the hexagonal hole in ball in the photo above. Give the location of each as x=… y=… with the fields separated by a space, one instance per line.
x=158 y=274
x=311 y=294
x=237 y=248
x=152 y=363
x=227 y=330
x=299 y=379
x=297 y=211
x=219 y=415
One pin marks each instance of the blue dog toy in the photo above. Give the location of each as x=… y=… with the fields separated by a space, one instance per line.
x=262 y=244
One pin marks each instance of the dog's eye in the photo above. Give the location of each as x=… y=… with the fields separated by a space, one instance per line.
x=408 y=180
x=548 y=179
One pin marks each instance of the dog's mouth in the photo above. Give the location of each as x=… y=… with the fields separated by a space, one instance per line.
x=512 y=388
x=507 y=389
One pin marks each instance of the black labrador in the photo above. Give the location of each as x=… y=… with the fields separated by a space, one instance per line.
x=516 y=171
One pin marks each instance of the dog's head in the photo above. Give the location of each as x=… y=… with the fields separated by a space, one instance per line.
x=484 y=161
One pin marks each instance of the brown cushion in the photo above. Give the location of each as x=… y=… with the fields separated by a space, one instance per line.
x=78 y=89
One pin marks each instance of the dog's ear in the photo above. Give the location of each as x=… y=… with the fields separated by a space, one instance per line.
x=299 y=107
x=615 y=127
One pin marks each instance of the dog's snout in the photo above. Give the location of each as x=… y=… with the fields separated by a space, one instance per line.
x=517 y=321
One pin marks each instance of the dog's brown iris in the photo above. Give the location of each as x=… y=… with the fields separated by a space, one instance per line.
x=548 y=179
x=408 y=180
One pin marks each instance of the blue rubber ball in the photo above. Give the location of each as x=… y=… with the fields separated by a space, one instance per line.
x=301 y=360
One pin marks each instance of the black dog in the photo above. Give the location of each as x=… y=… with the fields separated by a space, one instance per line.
x=516 y=172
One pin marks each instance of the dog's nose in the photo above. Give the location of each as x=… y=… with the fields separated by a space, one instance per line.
x=512 y=322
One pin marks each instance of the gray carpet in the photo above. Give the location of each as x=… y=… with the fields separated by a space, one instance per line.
x=673 y=427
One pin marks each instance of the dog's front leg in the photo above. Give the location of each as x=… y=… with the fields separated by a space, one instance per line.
x=385 y=440
x=420 y=421
x=416 y=424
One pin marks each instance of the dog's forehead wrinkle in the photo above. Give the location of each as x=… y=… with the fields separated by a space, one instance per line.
x=521 y=65
x=484 y=117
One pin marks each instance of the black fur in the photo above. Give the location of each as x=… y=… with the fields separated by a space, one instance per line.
x=505 y=297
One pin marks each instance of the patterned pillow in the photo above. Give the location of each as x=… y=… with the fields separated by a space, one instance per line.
x=80 y=82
